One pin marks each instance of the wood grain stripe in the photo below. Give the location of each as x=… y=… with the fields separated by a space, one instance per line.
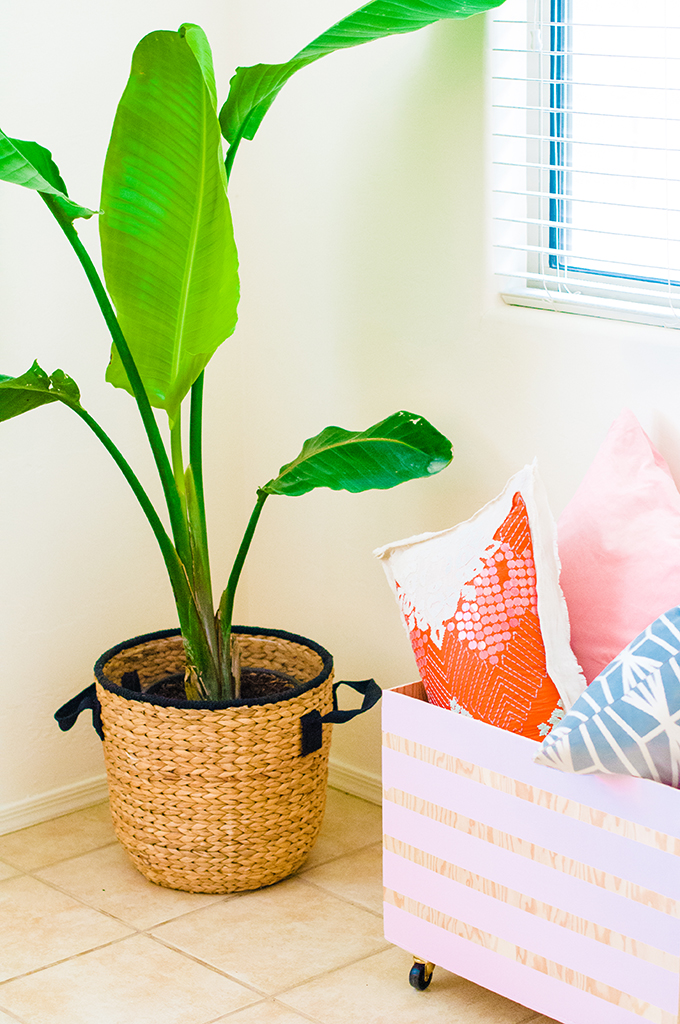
x=532 y=794
x=574 y=923
x=533 y=960
x=533 y=852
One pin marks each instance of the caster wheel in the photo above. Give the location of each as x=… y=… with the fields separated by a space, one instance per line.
x=420 y=975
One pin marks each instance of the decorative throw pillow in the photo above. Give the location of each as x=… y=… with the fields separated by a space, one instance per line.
x=619 y=545
x=483 y=608
x=627 y=722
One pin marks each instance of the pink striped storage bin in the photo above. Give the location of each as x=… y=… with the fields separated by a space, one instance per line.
x=559 y=891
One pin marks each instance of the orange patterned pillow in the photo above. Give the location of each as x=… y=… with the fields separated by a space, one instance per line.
x=485 y=614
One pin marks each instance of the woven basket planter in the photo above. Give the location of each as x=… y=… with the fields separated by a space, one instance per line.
x=215 y=797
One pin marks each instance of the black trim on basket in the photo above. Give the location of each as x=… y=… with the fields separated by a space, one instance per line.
x=213 y=705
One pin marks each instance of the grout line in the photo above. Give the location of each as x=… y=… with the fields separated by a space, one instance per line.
x=232 y=1013
x=10 y=1013
x=332 y=860
x=88 y=906
x=64 y=960
x=53 y=863
x=343 y=899
x=219 y=898
x=276 y=994
x=265 y=1002
x=270 y=1001
x=300 y=1013
x=210 y=967
x=280 y=995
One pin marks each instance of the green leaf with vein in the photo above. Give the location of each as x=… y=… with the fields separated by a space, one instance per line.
x=31 y=165
x=254 y=89
x=33 y=389
x=200 y=47
x=168 y=248
x=402 y=447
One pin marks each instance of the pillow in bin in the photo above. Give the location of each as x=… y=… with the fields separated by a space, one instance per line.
x=485 y=614
x=627 y=722
x=619 y=545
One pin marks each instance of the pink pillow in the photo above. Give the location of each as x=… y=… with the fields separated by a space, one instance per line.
x=619 y=545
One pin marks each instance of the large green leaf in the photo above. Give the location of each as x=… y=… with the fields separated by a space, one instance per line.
x=200 y=47
x=31 y=165
x=33 y=389
x=254 y=89
x=402 y=447
x=168 y=247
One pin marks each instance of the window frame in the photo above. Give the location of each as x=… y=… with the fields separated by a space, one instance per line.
x=612 y=294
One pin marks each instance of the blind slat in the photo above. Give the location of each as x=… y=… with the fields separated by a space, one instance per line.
x=584 y=113
x=539 y=166
x=576 y=284
x=528 y=221
x=583 y=202
x=588 y=142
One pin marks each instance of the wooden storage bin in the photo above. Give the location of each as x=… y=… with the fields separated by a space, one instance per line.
x=559 y=891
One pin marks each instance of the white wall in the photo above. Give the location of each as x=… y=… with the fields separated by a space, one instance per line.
x=361 y=219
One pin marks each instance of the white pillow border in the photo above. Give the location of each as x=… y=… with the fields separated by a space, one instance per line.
x=475 y=535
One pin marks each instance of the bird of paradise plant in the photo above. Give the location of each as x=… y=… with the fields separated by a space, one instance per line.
x=171 y=293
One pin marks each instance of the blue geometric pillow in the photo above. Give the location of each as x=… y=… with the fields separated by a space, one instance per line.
x=627 y=722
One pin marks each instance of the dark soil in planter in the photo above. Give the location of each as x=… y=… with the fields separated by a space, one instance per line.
x=255 y=682
x=263 y=682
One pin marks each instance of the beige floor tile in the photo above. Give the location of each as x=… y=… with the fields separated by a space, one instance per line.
x=277 y=937
x=135 y=981
x=7 y=871
x=349 y=824
x=55 y=840
x=269 y=1012
x=39 y=926
x=356 y=877
x=6 y=1019
x=107 y=880
x=376 y=991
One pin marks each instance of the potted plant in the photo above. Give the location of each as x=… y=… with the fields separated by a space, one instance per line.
x=169 y=300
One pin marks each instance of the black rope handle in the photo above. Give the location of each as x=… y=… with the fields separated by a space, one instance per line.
x=312 y=723
x=86 y=700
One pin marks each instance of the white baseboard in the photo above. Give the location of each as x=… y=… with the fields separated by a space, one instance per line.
x=77 y=795
x=53 y=804
x=366 y=785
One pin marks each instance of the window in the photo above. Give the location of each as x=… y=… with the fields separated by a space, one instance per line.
x=586 y=122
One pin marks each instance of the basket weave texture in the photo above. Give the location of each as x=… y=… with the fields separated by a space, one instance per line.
x=215 y=799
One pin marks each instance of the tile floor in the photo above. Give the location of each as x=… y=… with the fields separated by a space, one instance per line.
x=85 y=939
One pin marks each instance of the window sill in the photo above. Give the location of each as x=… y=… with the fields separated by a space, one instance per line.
x=609 y=309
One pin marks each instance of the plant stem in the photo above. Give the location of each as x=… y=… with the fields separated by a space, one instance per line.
x=177 y=458
x=227 y=601
x=196 y=443
x=209 y=671
x=196 y=508
x=231 y=153
x=173 y=564
x=205 y=672
x=177 y=520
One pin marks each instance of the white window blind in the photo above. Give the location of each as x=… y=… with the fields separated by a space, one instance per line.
x=586 y=125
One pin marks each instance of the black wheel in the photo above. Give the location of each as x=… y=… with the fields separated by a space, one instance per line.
x=420 y=976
